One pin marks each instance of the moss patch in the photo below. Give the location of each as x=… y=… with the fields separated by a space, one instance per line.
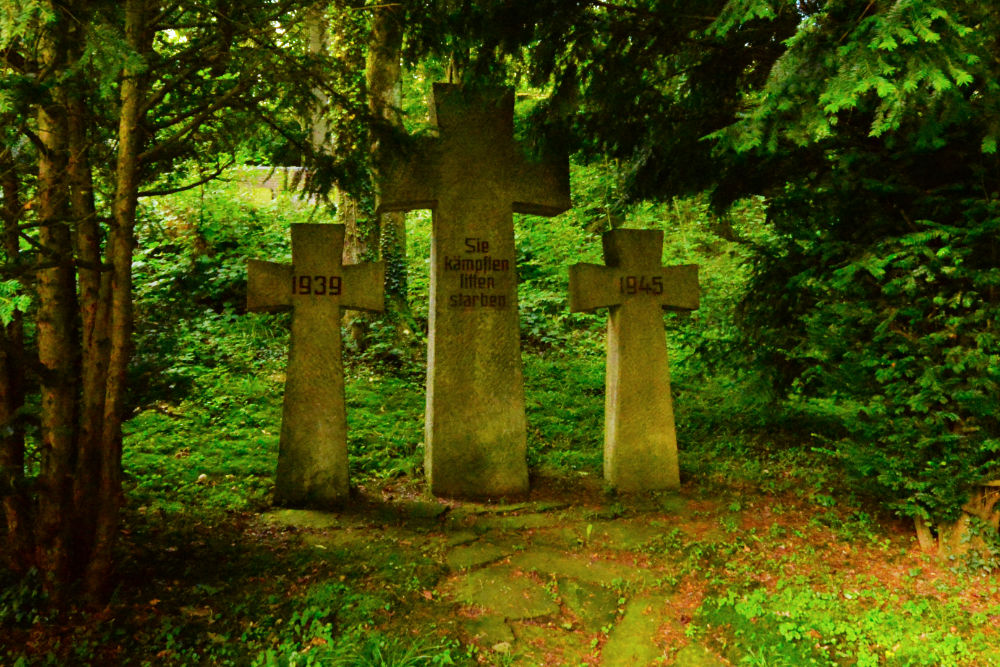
x=547 y=561
x=503 y=592
x=633 y=641
x=471 y=555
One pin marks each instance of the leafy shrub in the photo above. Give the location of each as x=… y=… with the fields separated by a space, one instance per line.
x=896 y=341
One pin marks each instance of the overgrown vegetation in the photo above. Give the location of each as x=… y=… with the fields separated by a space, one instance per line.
x=830 y=166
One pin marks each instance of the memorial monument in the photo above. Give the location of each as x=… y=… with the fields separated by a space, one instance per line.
x=312 y=457
x=473 y=176
x=640 y=442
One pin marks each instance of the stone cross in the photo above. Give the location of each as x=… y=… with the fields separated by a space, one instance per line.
x=312 y=456
x=640 y=444
x=474 y=177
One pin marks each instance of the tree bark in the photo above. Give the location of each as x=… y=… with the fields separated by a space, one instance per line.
x=93 y=294
x=56 y=324
x=120 y=248
x=16 y=508
x=382 y=76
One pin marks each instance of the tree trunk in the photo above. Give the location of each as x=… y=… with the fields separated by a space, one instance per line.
x=120 y=248
x=56 y=327
x=17 y=520
x=92 y=295
x=958 y=538
x=382 y=76
x=316 y=27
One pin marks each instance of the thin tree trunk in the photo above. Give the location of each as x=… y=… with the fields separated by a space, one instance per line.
x=93 y=292
x=382 y=76
x=56 y=330
x=121 y=245
x=16 y=507
x=316 y=27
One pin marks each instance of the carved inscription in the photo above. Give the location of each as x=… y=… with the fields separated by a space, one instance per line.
x=640 y=284
x=477 y=276
x=318 y=285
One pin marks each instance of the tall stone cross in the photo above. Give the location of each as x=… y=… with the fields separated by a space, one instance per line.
x=474 y=177
x=312 y=456
x=640 y=443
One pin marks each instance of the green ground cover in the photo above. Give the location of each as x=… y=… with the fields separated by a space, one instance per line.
x=766 y=556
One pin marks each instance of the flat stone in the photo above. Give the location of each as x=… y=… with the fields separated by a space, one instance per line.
x=561 y=538
x=551 y=562
x=501 y=509
x=517 y=522
x=502 y=592
x=549 y=645
x=626 y=535
x=312 y=519
x=595 y=606
x=472 y=555
x=633 y=640
x=673 y=504
x=489 y=630
x=695 y=655
x=422 y=509
x=461 y=537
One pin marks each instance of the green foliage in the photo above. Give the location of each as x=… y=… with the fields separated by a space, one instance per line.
x=917 y=67
x=385 y=425
x=13 y=300
x=565 y=406
x=882 y=272
x=796 y=625
x=23 y=603
x=190 y=274
x=901 y=346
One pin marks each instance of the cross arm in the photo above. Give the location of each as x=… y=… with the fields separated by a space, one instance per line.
x=592 y=286
x=542 y=188
x=268 y=286
x=680 y=287
x=364 y=286
x=409 y=179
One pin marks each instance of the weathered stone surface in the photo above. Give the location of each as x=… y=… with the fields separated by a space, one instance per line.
x=474 y=177
x=312 y=458
x=626 y=536
x=422 y=509
x=640 y=443
x=489 y=630
x=471 y=555
x=517 y=522
x=501 y=591
x=633 y=641
x=461 y=537
x=595 y=606
x=302 y=519
x=552 y=562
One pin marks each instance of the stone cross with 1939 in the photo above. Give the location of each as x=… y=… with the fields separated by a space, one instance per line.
x=640 y=442
x=473 y=177
x=312 y=456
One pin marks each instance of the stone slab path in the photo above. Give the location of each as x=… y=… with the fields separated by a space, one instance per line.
x=542 y=582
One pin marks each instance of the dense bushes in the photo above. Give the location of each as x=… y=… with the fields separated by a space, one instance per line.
x=895 y=345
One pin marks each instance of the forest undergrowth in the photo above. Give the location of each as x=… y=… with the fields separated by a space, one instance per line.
x=771 y=555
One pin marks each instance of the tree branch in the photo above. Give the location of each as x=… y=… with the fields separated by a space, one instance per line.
x=189 y=186
x=153 y=153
